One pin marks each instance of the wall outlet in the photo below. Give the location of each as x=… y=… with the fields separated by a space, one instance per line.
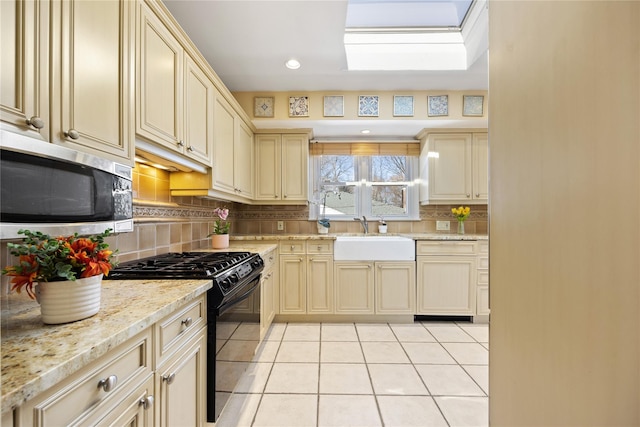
x=442 y=225
x=280 y=225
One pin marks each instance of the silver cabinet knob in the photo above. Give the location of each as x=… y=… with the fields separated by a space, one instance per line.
x=146 y=402
x=36 y=122
x=181 y=143
x=468 y=195
x=187 y=322
x=72 y=133
x=275 y=196
x=285 y=196
x=477 y=194
x=108 y=384
x=190 y=148
x=169 y=378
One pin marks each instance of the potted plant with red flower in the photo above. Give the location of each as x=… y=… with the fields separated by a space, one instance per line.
x=63 y=273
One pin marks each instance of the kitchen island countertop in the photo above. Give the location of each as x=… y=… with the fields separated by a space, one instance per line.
x=36 y=356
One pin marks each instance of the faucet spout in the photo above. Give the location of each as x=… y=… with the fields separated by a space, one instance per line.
x=364 y=223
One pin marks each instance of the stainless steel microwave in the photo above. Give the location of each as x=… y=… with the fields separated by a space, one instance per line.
x=60 y=191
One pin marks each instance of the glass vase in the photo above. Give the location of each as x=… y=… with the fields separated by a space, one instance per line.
x=460 y=227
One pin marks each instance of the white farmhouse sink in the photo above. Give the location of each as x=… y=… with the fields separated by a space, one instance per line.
x=374 y=248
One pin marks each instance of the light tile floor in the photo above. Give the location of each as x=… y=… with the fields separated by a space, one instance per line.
x=365 y=375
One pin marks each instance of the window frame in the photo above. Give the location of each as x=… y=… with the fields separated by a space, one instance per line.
x=363 y=198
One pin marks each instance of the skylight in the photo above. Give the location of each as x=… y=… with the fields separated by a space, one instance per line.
x=415 y=34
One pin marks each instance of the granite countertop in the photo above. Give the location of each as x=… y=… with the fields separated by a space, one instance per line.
x=36 y=356
x=236 y=239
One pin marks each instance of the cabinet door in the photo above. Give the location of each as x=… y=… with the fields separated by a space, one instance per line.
x=198 y=113
x=267 y=307
x=320 y=284
x=354 y=287
x=450 y=173
x=24 y=67
x=91 y=90
x=480 y=166
x=137 y=409
x=268 y=186
x=223 y=145
x=294 y=165
x=395 y=287
x=446 y=285
x=243 y=159
x=181 y=385
x=482 y=307
x=293 y=288
x=159 y=77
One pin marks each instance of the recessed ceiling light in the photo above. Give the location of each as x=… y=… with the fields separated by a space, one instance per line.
x=365 y=131
x=292 y=64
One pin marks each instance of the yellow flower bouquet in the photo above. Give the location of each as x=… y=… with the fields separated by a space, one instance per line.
x=461 y=213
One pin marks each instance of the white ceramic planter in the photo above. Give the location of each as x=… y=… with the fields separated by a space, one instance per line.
x=382 y=229
x=322 y=229
x=63 y=302
x=220 y=241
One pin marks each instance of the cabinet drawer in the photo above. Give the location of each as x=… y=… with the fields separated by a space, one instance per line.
x=180 y=325
x=483 y=262
x=319 y=247
x=82 y=396
x=445 y=248
x=293 y=247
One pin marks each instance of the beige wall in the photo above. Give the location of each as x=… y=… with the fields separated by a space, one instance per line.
x=564 y=210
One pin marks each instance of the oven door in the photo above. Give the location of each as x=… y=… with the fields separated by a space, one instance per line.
x=232 y=346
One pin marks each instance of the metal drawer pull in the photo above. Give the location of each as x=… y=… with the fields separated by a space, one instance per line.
x=146 y=402
x=180 y=143
x=36 y=122
x=108 y=384
x=169 y=378
x=187 y=322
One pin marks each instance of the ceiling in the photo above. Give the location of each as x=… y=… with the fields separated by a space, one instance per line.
x=248 y=41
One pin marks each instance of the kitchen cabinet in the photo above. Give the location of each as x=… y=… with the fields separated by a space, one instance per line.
x=306 y=277
x=354 y=287
x=95 y=391
x=446 y=278
x=181 y=384
x=268 y=291
x=175 y=97
x=395 y=287
x=282 y=168
x=454 y=167
x=85 y=77
x=24 y=67
x=482 y=290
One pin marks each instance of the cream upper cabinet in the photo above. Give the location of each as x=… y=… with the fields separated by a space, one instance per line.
x=85 y=77
x=454 y=168
x=233 y=151
x=175 y=97
x=282 y=168
x=92 y=93
x=24 y=67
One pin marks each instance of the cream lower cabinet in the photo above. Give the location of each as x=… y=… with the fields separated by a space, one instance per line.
x=446 y=278
x=282 y=168
x=482 y=291
x=354 y=287
x=395 y=291
x=269 y=291
x=156 y=378
x=306 y=277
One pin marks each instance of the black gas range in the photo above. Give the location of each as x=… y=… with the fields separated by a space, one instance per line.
x=230 y=271
x=232 y=309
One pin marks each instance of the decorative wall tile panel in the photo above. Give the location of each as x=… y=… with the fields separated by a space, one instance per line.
x=298 y=106
x=438 y=105
x=368 y=106
x=334 y=106
x=472 y=105
x=263 y=106
x=403 y=106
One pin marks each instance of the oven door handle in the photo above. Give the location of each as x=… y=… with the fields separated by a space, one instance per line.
x=237 y=300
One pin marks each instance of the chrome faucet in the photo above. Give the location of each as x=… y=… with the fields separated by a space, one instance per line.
x=364 y=223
